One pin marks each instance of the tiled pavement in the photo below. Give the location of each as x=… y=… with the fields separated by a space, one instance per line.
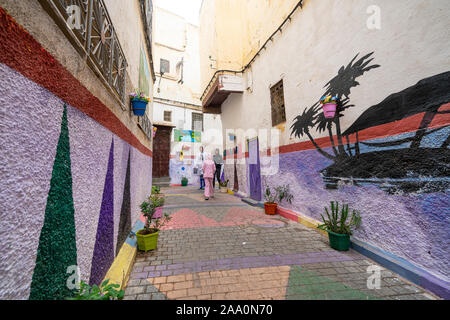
x=225 y=249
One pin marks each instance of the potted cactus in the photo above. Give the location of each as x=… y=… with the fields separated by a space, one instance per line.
x=139 y=103
x=272 y=198
x=147 y=238
x=339 y=230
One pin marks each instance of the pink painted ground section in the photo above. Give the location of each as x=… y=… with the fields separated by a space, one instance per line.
x=189 y=219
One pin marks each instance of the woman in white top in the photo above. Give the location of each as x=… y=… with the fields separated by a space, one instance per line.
x=199 y=164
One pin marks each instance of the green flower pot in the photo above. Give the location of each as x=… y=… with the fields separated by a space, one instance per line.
x=340 y=242
x=147 y=242
x=184 y=183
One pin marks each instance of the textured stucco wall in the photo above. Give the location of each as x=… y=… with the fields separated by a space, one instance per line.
x=309 y=53
x=412 y=226
x=38 y=23
x=185 y=168
x=31 y=122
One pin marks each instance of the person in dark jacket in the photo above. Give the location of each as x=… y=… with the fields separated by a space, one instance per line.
x=218 y=160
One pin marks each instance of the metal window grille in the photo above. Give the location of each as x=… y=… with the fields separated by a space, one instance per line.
x=168 y=116
x=95 y=39
x=197 y=122
x=164 y=66
x=277 y=101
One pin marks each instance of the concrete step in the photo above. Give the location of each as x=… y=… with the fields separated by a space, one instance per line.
x=161 y=182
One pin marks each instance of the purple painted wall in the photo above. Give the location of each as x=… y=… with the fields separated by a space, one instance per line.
x=30 y=118
x=413 y=226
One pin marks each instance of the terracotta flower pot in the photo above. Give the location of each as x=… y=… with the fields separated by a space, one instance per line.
x=223 y=189
x=270 y=208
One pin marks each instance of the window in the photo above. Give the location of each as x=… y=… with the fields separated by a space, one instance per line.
x=277 y=100
x=168 y=116
x=164 y=66
x=197 y=122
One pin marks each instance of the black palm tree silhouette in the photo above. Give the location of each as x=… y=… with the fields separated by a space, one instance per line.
x=339 y=86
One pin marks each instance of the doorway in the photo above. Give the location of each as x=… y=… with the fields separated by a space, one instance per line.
x=161 y=152
x=254 y=169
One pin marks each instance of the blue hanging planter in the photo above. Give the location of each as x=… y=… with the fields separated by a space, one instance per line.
x=139 y=107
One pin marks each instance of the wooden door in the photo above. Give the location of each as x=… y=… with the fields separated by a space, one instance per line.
x=161 y=152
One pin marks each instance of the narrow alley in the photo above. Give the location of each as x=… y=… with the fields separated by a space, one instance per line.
x=225 y=249
x=225 y=150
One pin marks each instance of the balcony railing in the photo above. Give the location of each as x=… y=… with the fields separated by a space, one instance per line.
x=88 y=27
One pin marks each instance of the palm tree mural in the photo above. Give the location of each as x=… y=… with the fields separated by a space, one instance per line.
x=403 y=163
x=339 y=86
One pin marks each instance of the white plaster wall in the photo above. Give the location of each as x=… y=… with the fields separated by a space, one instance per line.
x=126 y=18
x=411 y=45
x=175 y=39
x=212 y=125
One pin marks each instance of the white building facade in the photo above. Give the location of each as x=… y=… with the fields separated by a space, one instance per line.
x=177 y=109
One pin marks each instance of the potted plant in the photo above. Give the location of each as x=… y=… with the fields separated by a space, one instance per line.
x=105 y=291
x=147 y=238
x=279 y=194
x=156 y=190
x=139 y=103
x=339 y=230
x=329 y=105
x=184 y=181
x=223 y=186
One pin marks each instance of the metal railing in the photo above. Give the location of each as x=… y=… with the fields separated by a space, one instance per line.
x=88 y=27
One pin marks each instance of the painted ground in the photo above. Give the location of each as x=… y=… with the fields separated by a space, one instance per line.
x=224 y=249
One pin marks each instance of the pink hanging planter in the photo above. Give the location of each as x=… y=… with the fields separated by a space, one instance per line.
x=329 y=110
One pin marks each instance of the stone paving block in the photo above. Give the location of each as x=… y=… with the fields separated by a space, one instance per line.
x=133 y=283
x=177 y=278
x=158 y=296
x=175 y=294
x=139 y=275
x=244 y=253
x=135 y=290
x=151 y=289
x=403 y=290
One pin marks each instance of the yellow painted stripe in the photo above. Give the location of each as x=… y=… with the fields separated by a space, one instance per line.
x=120 y=270
x=311 y=223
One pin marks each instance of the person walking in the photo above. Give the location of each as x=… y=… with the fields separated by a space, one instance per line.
x=199 y=164
x=209 y=168
x=218 y=160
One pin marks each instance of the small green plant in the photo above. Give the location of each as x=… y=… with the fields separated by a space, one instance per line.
x=279 y=194
x=156 y=190
x=148 y=209
x=106 y=291
x=337 y=222
x=224 y=184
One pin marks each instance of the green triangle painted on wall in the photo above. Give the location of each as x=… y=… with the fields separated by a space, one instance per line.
x=57 y=243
